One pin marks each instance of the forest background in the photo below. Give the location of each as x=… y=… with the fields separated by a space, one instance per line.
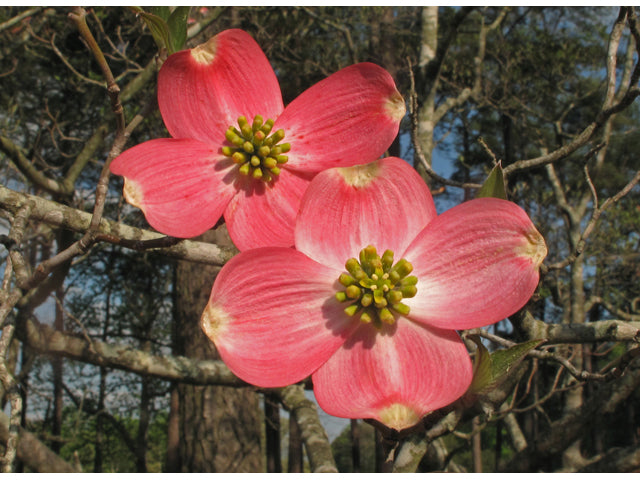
x=104 y=367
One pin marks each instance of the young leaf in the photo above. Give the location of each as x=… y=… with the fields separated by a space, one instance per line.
x=494 y=184
x=158 y=28
x=162 y=12
x=491 y=369
x=177 y=24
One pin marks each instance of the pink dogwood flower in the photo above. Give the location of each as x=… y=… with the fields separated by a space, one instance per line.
x=221 y=103
x=369 y=302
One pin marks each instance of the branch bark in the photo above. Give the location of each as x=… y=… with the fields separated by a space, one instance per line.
x=45 y=339
x=557 y=333
x=313 y=434
x=33 y=453
x=570 y=426
x=58 y=215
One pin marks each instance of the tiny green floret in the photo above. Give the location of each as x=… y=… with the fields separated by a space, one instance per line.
x=256 y=150
x=376 y=287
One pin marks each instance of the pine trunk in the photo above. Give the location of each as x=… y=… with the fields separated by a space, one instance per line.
x=219 y=427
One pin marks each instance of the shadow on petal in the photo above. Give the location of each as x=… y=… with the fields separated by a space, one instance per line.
x=358 y=332
x=339 y=323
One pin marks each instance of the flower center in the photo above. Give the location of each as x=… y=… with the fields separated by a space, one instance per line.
x=376 y=287
x=255 y=149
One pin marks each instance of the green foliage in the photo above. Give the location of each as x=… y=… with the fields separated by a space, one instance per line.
x=491 y=369
x=493 y=186
x=168 y=28
x=79 y=437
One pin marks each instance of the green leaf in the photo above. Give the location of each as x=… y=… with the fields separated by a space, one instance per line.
x=177 y=23
x=158 y=28
x=494 y=184
x=162 y=12
x=491 y=369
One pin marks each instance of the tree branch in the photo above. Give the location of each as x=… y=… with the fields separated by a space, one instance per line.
x=557 y=333
x=33 y=453
x=313 y=434
x=608 y=109
x=28 y=169
x=617 y=459
x=18 y=18
x=567 y=429
x=419 y=153
x=595 y=216
x=46 y=340
x=78 y=16
x=58 y=215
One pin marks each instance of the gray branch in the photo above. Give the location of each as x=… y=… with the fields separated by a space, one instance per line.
x=556 y=333
x=45 y=339
x=313 y=434
x=33 y=453
x=58 y=215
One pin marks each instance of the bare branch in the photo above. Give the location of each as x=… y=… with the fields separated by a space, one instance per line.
x=569 y=427
x=9 y=299
x=609 y=105
x=478 y=61
x=82 y=77
x=614 y=310
x=313 y=434
x=45 y=339
x=78 y=15
x=18 y=18
x=557 y=333
x=413 y=114
x=58 y=215
x=28 y=169
x=346 y=32
x=33 y=453
x=617 y=459
x=595 y=216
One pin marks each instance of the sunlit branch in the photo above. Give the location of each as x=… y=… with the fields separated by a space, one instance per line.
x=58 y=215
x=47 y=340
x=313 y=434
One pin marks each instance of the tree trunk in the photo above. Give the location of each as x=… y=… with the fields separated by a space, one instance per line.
x=355 y=446
x=219 y=427
x=428 y=48
x=272 y=433
x=143 y=424
x=476 y=442
x=572 y=458
x=57 y=367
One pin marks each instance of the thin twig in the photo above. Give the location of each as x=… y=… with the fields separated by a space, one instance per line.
x=413 y=115
x=609 y=105
x=18 y=18
x=82 y=77
x=78 y=15
x=595 y=216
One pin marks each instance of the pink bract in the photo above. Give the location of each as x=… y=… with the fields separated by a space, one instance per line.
x=184 y=184
x=276 y=315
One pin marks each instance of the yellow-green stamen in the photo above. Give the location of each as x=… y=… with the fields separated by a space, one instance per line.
x=376 y=287
x=255 y=149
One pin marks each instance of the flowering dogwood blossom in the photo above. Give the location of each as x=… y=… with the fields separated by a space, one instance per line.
x=369 y=302
x=221 y=103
